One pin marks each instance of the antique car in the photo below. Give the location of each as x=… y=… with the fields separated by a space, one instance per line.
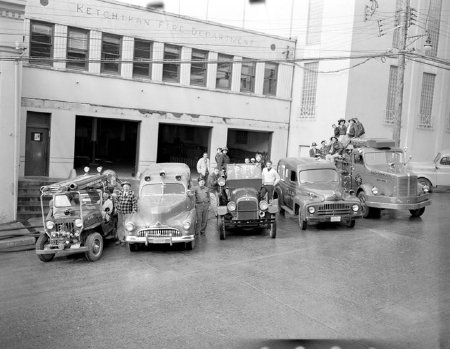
x=433 y=174
x=166 y=210
x=241 y=206
x=81 y=215
x=311 y=189
x=377 y=172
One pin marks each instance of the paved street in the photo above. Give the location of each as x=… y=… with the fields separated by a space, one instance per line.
x=383 y=284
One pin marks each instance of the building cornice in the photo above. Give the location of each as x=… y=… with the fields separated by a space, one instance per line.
x=12 y=9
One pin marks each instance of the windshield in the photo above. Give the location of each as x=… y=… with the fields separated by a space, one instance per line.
x=385 y=157
x=318 y=176
x=66 y=200
x=243 y=171
x=162 y=188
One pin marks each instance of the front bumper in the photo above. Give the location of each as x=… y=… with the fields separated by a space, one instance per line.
x=412 y=203
x=159 y=240
x=248 y=223
x=333 y=219
x=63 y=251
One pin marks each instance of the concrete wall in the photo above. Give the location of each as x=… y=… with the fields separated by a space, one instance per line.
x=11 y=22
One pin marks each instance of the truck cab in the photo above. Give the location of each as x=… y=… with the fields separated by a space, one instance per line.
x=376 y=171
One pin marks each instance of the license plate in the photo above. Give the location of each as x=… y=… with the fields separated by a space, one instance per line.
x=335 y=219
x=160 y=241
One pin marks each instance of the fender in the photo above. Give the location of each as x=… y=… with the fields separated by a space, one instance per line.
x=366 y=188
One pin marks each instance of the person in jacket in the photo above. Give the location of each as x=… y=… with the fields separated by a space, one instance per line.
x=126 y=204
x=359 y=128
x=324 y=148
x=203 y=166
x=313 y=151
x=202 y=202
x=336 y=149
x=224 y=160
x=342 y=129
x=213 y=184
x=218 y=156
x=335 y=130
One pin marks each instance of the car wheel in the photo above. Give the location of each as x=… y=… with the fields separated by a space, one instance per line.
x=133 y=247
x=418 y=212
x=302 y=222
x=221 y=227
x=426 y=182
x=94 y=243
x=191 y=244
x=273 y=229
x=40 y=245
x=351 y=223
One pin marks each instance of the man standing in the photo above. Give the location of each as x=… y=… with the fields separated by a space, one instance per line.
x=225 y=160
x=202 y=201
x=213 y=186
x=218 y=156
x=203 y=166
x=126 y=204
x=359 y=128
x=270 y=178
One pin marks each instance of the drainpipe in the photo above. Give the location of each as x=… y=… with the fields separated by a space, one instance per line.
x=16 y=155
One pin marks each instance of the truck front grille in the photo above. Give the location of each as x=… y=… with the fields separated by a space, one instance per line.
x=156 y=233
x=407 y=186
x=64 y=227
x=333 y=209
x=247 y=209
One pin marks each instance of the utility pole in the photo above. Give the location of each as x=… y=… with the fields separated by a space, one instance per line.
x=403 y=26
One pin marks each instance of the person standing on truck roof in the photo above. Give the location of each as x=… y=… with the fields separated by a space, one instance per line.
x=359 y=128
x=270 y=178
x=313 y=151
x=336 y=149
x=126 y=204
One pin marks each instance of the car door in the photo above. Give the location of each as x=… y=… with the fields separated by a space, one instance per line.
x=443 y=170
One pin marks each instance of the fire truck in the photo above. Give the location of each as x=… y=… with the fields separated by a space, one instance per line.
x=376 y=171
x=81 y=215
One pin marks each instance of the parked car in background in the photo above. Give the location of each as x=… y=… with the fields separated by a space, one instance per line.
x=311 y=189
x=241 y=205
x=166 y=212
x=434 y=173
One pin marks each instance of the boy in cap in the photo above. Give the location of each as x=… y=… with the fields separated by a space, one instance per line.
x=313 y=151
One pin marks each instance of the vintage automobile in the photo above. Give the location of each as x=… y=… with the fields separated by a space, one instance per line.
x=166 y=209
x=433 y=174
x=377 y=172
x=240 y=206
x=81 y=216
x=311 y=188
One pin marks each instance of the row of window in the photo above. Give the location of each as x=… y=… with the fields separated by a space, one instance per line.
x=77 y=57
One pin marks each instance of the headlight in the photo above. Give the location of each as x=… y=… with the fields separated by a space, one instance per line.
x=50 y=225
x=221 y=181
x=355 y=207
x=78 y=223
x=263 y=205
x=186 y=225
x=426 y=189
x=231 y=206
x=375 y=190
x=311 y=209
x=129 y=226
x=54 y=235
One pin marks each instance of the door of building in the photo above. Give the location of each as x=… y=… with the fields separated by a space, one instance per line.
x=37 y=144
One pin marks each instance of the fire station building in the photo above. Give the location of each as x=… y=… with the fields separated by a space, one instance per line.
x=120 y=86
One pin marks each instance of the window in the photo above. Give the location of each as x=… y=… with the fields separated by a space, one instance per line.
x=445 y=161
x=433 y=24
x=270 y=79
x=41 y=43
x=426 y=100
x=293 y=176
x=224 y=72
x=199 y=67
x=111 y=47
x=77 y=48
x=308 y=104
x=314 y=29
x=171 y=69
x=390 y=104
x=142 y=65
x=248 y=76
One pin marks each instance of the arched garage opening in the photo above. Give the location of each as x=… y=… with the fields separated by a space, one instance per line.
x=111 y=143
x=246 y=143
x=181 y=143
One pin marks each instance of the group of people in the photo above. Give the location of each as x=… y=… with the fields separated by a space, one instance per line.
x=340 y=141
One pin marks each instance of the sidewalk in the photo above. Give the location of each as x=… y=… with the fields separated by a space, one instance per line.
x=15 y=236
